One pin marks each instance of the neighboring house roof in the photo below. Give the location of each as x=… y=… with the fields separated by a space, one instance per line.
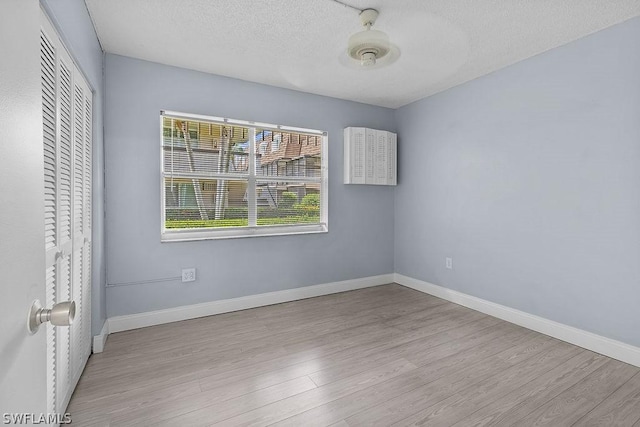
x=279 y=146
x=288 y=146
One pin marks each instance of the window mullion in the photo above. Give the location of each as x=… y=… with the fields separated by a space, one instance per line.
x=252 y=198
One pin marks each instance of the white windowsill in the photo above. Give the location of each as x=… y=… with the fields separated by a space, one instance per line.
x=192 y=234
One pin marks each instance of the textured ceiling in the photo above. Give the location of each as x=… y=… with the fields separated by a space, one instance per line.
x=297 y=44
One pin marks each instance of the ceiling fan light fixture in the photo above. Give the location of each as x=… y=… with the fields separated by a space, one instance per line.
x=367 y=59
x=369 y=42
x=369 y=46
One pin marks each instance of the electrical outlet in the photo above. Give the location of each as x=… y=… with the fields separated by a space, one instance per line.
x=188 y=274
x=448 y=262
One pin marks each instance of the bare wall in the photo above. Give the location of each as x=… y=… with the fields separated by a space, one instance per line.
x=529 y=178
x=360 y=238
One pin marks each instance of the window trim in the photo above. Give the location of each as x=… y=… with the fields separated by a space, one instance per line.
x=194 y=234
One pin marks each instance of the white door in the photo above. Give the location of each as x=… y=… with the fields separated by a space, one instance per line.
x=67 y=145
x=22 y=356
x=45 y=221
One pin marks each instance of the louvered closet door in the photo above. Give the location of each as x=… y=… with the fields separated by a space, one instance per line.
x=81 y=336
x=86 y=219
x=66 y=106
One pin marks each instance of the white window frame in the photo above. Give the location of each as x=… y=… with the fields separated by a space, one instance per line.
x=252 y=230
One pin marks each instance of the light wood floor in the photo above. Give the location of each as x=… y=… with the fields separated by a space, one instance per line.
x=379 y=356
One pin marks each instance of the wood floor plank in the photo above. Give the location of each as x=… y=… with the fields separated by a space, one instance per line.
x=373 y=356
x=205 y=355
x=285 y=408
x=239 y=390
x=417 y=318
x=570 y=405
x=242 y=382
x=459 y=352
x=224 y=347
x=525 y=368
x=534 y=394
x=336 y=410
x=438 y=367
x=228 y=331
x=205 y=343
x=207 y=408
x=419 y=352
x=622 y=408
x=324 y=356
x=456 y=379
x=224 y=372
x=104 y=406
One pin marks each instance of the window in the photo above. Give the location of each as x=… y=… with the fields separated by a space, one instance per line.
x=225 y=178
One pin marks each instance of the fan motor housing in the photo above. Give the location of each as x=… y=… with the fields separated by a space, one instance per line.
x=368 y=41
x=367 y=47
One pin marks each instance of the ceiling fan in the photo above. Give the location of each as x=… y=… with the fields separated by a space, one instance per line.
x=370 y=49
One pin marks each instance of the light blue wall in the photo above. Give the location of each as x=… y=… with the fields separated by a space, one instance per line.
x=529 y=178
x=72 y=20
x=360 y=238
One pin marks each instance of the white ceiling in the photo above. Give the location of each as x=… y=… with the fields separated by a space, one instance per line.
x=296 y=44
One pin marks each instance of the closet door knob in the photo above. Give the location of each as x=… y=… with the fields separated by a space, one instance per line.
x=61 y=314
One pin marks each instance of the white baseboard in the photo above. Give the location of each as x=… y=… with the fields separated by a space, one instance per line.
x=158 y=317
x=606 y=346
x=100 y=339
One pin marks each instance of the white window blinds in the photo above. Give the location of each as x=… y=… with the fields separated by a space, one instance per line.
x=232 y=178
